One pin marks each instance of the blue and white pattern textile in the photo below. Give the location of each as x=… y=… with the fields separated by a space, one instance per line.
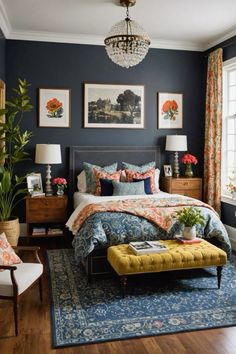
x=169 y=302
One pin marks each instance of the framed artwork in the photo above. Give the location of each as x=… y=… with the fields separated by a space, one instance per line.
x=170 y=110
x=34 y=183
x=167 y=170
x=54 y=108
x=113 y=106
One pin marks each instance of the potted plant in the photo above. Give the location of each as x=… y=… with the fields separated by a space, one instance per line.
x=12 y=151
x=190 y=217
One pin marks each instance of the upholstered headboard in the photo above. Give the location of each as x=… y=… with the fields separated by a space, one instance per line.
x=105 y=155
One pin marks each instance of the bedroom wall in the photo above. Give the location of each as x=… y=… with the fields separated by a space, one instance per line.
x=56 y=65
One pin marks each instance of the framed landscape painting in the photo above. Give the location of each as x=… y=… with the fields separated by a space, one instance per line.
x=170 y=110
x=54 y=108
x=113 y=106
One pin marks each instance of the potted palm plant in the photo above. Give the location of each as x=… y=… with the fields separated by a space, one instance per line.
x=189 y=217
x=12 y=152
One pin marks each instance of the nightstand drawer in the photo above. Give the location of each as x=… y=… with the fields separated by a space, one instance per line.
x=185 y=184
x=53 y=215
x=46 y=203
x=188 y=193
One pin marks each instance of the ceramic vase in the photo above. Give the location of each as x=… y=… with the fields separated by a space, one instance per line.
x=60 y=189
x=189 y=171
x=189 y=233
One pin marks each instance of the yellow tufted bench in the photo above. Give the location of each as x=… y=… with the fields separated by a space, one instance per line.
x=179 y=256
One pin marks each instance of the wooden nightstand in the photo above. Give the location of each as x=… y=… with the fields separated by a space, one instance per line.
x=191 y=187
x=46 y=212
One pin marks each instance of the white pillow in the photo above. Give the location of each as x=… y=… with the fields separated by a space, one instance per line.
x=81 y=182
x=157 y=176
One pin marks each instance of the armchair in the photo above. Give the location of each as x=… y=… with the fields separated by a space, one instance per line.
x=16 y=279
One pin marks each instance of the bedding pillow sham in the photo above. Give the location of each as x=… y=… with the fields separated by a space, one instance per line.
x=124 y=188
x=131 y=175
x=81 y=182
x=138 y=168
x=90 y=178
x=7 y=254
x=147 y=184
x=104 y=175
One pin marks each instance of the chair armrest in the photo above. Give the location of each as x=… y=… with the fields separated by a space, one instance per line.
x=33 y=249
x=9 y=267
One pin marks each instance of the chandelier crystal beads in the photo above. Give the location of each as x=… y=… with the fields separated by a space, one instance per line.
x=127 y=43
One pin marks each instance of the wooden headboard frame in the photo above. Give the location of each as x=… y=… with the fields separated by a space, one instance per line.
x=105 y=155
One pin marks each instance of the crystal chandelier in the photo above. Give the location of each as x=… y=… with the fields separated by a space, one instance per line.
x=127 y=43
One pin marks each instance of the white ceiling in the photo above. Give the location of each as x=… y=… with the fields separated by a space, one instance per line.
x=173 y=24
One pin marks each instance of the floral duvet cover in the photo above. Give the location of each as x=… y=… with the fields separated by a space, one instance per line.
x=107 y=223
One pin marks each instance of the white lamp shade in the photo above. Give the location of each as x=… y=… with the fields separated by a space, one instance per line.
x=176 y=143
x=48 y=154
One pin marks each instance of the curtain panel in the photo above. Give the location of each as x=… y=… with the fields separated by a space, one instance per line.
x=213 y=131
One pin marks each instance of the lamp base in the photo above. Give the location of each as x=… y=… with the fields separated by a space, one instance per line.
x=176 y=165
x=48 y=186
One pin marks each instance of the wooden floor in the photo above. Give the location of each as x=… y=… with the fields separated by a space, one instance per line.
x=35 y=332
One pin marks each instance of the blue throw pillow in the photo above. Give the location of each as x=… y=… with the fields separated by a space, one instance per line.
x=106 y=187
x=147 y=184
x=125 y=188
x=136 y=168
x=90 y=178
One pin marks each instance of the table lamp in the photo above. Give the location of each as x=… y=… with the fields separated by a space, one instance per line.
x=48 y=154
x=176 y=143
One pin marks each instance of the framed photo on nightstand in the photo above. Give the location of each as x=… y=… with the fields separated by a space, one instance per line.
x=167 y=170
x=34 y=183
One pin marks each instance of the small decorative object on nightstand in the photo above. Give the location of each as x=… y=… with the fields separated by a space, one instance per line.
x=191 y=187
x=46 y=214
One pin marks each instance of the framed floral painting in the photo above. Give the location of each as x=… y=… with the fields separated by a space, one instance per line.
x=54 y=108
x=170 y=110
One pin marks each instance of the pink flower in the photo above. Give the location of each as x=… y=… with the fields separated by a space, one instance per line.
x=189 y=159
x=59 y=181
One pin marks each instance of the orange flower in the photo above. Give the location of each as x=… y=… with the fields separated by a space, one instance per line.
x=166 y=106
x=53 y=105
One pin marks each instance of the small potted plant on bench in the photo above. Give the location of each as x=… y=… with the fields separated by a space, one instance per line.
x=189 y=217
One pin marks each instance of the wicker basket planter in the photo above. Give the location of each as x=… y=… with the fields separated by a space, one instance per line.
x=11 y=229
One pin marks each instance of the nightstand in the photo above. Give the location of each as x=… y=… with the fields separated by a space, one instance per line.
x=191 y=187
x=46 y=216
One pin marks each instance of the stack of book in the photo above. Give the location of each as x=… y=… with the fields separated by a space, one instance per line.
x=147 y=247
x=55 y=231
x=39 y=231
x=180 y=239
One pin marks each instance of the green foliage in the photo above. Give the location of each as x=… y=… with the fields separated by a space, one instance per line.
x=190 y=216
x=12 y=149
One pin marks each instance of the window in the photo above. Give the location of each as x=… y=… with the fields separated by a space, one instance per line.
x=228 y=169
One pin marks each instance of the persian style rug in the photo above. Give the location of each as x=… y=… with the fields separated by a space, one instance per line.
x=164 y=303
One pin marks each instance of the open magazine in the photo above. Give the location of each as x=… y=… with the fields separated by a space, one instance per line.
x=147 y=247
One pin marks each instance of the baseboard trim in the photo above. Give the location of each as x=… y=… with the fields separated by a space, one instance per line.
x=232 y=235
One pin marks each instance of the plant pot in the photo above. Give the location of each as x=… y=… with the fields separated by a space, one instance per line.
x=189 y=233
x=11 y=228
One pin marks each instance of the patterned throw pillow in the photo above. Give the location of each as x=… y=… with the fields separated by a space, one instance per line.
x=7 y=254
x=125 y=188
x=104 y=175
x=142 y=168
x=90 y=178
x=130 y=175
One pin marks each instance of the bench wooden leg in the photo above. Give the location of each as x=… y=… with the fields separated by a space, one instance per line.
x=219 y=272
x=123 y=281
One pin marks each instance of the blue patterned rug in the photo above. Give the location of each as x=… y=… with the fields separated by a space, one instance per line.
x=169 y=302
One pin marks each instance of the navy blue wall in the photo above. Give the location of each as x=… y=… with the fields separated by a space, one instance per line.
x=2 y=55
x=54 y=65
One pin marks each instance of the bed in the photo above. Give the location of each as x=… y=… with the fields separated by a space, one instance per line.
x=122 y=219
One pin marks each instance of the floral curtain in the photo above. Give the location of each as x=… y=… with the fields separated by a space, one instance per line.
x=213 y=131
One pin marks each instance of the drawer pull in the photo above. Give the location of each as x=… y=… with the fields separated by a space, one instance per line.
x=46 y=202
